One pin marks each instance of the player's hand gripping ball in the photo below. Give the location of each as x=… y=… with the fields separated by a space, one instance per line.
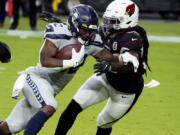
x=65 y=53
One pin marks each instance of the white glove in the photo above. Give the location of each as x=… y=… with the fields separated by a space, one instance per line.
x=127 y=57
x=77 y=58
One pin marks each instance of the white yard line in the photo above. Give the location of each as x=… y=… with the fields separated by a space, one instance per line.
x=2 y=69
x=38 y=34
x=22 y=33
x=165 y=39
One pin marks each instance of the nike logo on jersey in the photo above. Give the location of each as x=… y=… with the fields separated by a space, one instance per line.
x=134 y=39
x=124 y=97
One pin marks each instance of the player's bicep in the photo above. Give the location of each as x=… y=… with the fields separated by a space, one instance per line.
x=47 y=53
x=48 y=49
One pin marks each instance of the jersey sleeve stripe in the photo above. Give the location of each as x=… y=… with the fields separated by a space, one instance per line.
x=96 y=43
x=58 y=36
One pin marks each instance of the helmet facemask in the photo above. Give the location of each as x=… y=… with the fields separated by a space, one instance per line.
x=110 y=24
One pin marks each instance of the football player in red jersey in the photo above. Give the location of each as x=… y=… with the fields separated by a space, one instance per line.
x=40 y=84
x=121 y=84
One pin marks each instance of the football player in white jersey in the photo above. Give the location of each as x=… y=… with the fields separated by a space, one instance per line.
x=42 y=83
x=121 y=86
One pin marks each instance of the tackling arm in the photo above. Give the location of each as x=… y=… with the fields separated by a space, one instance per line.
x=116 y=63
x=104 y=54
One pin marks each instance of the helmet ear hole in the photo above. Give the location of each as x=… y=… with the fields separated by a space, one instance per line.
x=129 y=22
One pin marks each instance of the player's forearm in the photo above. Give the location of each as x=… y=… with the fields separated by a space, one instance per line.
x=107 y=56
x=56 y=63
x=121 y=68
x=51 y=62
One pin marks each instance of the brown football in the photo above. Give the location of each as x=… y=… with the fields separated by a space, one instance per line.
x=66 y=52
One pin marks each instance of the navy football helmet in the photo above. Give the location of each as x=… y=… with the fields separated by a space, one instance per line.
x=83 y=22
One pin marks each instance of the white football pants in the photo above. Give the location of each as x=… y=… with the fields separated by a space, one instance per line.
x=97 y=89
x=38 y=92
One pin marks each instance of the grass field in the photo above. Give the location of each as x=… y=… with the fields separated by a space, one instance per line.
x=157 y=111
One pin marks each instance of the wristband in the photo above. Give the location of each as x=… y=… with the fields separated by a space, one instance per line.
x=67 y=64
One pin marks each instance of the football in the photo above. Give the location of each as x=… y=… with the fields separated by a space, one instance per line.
x=65 y=53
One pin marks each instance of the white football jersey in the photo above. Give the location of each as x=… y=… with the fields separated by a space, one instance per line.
x=60 y=36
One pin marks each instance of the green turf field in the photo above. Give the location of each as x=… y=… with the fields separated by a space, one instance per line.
x=157 y=111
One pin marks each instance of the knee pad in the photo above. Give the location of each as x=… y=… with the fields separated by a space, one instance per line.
x=105 y=120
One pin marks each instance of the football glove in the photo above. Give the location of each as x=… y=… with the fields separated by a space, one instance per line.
x=78 y=57
x=127 y=57
x=102 y=67
x=76 y=60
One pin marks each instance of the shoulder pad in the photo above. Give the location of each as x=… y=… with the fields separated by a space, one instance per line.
x=57 y=31
x=96 y=41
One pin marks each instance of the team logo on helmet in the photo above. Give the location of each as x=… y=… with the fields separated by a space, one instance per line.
x=75 y=14
x=130 y=9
